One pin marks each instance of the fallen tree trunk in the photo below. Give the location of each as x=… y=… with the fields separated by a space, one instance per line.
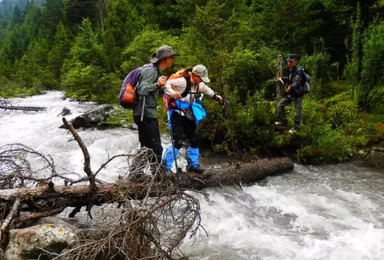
x=45 y=199
x=246 y=173
x=23 y=108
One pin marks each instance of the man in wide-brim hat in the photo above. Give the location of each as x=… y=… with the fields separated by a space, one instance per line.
x=148 y=89
x=162 y=53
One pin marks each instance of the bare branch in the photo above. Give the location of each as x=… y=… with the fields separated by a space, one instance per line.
x=39 y=215
x=110 y=160
x=87 y=158
x=14 y=211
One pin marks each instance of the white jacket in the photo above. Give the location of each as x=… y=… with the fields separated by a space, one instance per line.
x=180 y=84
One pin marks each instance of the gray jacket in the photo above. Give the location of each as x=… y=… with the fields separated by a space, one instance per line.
x=147 y=92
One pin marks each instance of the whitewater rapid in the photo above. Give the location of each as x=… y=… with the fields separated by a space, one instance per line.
x=322 y=212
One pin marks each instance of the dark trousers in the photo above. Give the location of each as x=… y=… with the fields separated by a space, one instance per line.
x=288 y=99
x=181 y=125
x=149 y=135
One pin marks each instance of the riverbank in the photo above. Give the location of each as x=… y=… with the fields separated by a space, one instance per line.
x=329 y=134
x=326 y=211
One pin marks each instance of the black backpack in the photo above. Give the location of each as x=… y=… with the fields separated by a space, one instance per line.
x=307 y=82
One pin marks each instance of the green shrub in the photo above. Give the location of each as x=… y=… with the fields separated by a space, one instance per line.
x=333 y=131
x=240 y=128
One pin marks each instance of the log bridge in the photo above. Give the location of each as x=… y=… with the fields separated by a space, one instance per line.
x=44 y=200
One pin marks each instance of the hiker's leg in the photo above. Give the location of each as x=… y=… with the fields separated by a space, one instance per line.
x=190 y=132
x=193 y=156
x=173 y=150
x=193 y=152
x=298 y=104
x=281 y=109
x=149 y=135
x=140 y=129
x=177 y=122
x=169 y=157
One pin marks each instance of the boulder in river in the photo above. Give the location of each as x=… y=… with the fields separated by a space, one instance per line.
x=375 y=158
x=91 y=118
x=50 y=235
x=66 y=111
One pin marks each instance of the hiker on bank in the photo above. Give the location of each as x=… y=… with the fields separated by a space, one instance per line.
x=149 y=86
x=293 y=83
x=185 y=113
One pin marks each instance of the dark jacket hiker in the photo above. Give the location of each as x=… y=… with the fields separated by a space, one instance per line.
x=293 y=82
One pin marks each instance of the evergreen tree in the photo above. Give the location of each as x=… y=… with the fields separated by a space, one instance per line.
x=52 y=15
x=122 y=24
x=216 y=30
x=77 y=10
x=60 y=50
x=371 y=90
x=86 y=65
x=32 y=68
x=87 y=48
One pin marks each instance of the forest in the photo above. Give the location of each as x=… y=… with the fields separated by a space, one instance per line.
x=86 y=47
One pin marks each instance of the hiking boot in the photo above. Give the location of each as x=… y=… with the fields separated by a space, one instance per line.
x=195 y=169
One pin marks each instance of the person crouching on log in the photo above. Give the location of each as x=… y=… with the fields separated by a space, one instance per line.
x=185 y=112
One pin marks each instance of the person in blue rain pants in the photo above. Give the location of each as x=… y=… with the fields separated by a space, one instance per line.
x=185 y=113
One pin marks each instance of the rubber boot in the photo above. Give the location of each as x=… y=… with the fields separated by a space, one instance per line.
x=193 y=155
x=169 y=157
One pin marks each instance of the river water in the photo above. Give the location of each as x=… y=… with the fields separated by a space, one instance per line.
x=314 y=212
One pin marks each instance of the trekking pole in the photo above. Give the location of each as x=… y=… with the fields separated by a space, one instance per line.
x=279 y=74
x=226 y=102
x=229 y=103
x=170 y=130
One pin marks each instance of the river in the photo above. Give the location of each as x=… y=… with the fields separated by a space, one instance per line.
x=315 y=212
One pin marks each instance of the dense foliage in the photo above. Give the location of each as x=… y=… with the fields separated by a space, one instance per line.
x=85 y=48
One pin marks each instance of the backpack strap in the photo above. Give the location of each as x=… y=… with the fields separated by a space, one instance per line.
x=300 y=70
x=188 y=88
x=158 y=74
x=149 y=65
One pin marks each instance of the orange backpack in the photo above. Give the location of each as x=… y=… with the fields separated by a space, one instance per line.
x=167 y=100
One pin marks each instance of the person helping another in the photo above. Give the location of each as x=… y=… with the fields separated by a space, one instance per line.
x=185 y=113
x=150 y=84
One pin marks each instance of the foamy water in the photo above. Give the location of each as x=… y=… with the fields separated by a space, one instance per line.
x=327 y=212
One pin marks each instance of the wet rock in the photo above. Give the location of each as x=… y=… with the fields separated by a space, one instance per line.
x=91 y=118
x=66 y=111
x=375 y=159
x=51 y=235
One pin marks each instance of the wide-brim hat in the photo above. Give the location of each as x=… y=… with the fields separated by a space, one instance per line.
x=162 y=53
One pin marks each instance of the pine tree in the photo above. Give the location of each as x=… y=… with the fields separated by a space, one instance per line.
x=60 y=50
